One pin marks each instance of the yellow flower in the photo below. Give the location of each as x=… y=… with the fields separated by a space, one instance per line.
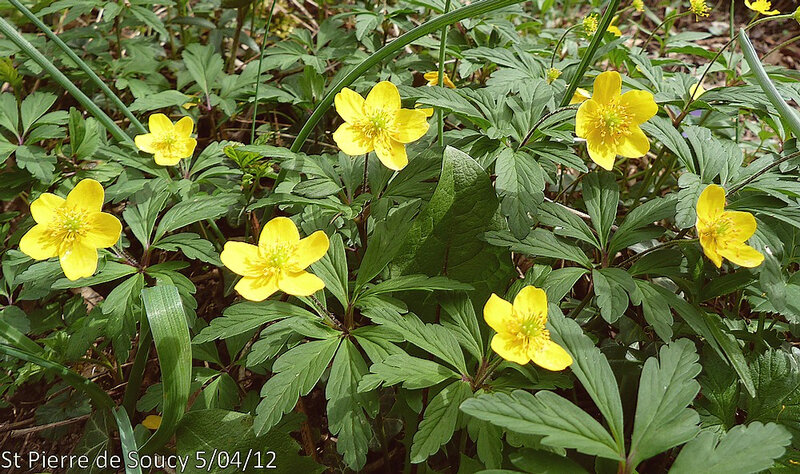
x=522 y=335
x=699 y=8
x=71 y=229
x=696 y=90
x=169 y=143
x=152 y=422
x=610 y=122
x=590 y=24
x=428 y=111
x=723 y=233
x=761 y=6
x=553 y=74
x=638 y=5
x=433 y=79
x=580 y=96
x=378 y=123
x=278 y=262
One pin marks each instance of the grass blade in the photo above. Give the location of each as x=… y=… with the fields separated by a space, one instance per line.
x=14 y=35
x=81 y=64
x=126 y=438
x=171 y=334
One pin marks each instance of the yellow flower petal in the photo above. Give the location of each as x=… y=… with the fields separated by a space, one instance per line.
x=410 y=125
x=300 y=283
x=38 y=244
x=351 y=141
x=44 y=207
x=184 y=126
x=241 y=258
x=509 y=349
x=613 y=29
x=391 y=153
x=583 y=118
x=709 y=248
x=428 y=111
x=78 y=261
x=640 y=105
x=742 y=255
x=104 y=230
x=742 y=224
x=579 y=96
x=146 y=142
x=607 y=87
x=166 y=159
x=87 y=195
x=256 y=288
x=601 y=153
x=531 y=300
x=160 y=123
x=551 y=356
x=152 y=422
x=635 y=144
x=279 y=230
x=711 y=203
x=496 y=312
x=383 y=96
x=349 y=105
x=696 y=90
x=310 y=249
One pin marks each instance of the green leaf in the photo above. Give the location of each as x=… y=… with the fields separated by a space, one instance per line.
x=432 y=338
x=520 y=183
x=666 y=388
x=159 y=100
x=743 y=449
x=415 y=282
x=201 y=433
x=656 y=311
x=385 y=242
x=37 y=162
x=544 y=462
x=346 y=405
x=332 y=270
x=601 y=195
x=566 y=224
x=109 y=272
x=192 y=245
x=777 y=391
x=33 y=107
x=540 y=243
x=661 y=129
x=413 y=372
x=562 y=424
x=193 y=210
x=243 y=317
x=612 y=287
x=439 y=421
x=638 y=224
x=592 y=369
x=204 y=65
x=459 y=316
x=444 y=238
x=167 y=320
x=720 y=388
x=296 y=372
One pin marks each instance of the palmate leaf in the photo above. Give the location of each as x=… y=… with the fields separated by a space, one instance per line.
x=560 y=421
x=601 y=195
x=243 y=317
x=540 y=243
x=743 y=449
x=666 y=388
x=520 y=182
x=439 y=421
x=777 y=398
x=296 y=372
x=347 y=407
x=193 y=210
x=412 y=372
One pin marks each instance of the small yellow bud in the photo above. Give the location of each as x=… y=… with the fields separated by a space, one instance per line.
x=553 y=74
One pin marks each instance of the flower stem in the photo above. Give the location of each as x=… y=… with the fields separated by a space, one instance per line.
x=442 y=50
x=258 y=71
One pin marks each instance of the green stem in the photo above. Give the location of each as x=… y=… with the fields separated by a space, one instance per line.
x=677 y=241
x=258 y=71
x=561 y=40
x=588 y=55
x=655 y=30
x=81 y=64
x=442 y=50
x=786 y=112
x=14 y=35
x=761 y=172
x=475 y=9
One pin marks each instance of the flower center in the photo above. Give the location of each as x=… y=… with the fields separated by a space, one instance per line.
x=69 y=224
x=276 y=256
x=717 y=229
x=166 y=142
x=530 y=330
x=612 y=121
x=375 y=123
